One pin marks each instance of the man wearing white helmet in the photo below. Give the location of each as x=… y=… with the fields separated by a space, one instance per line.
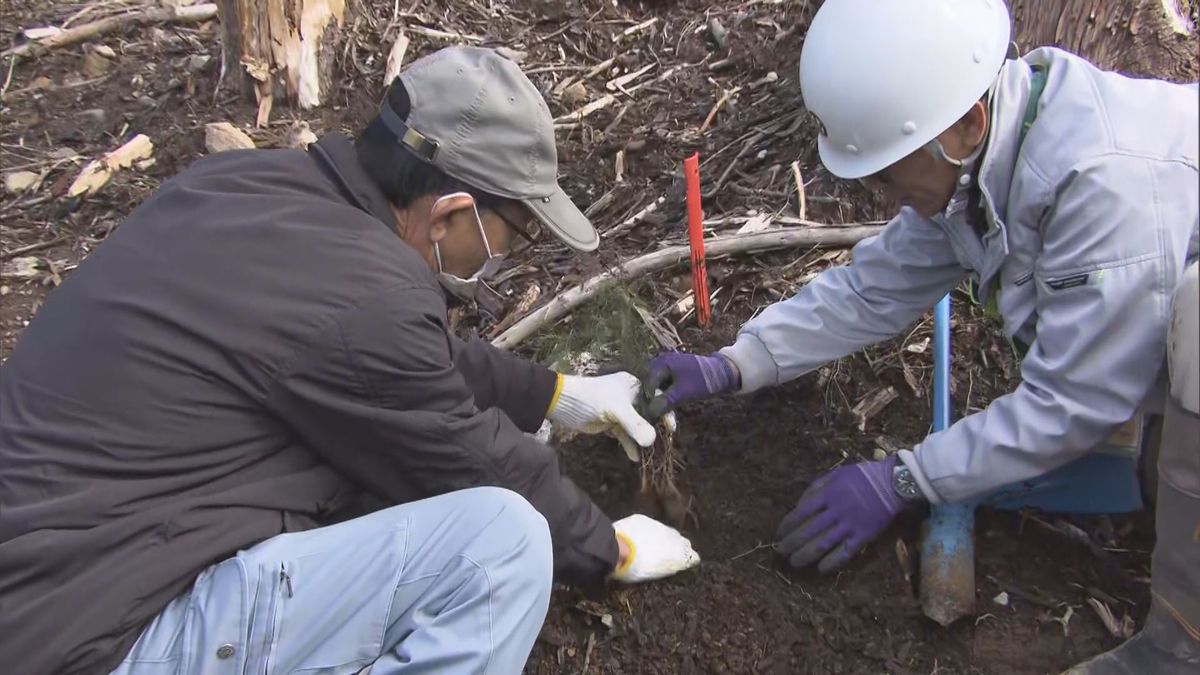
x=1068 y=197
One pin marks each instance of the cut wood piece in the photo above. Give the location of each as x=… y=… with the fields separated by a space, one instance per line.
x=620 y=82
x=23 y=268
x=803 y=200
x=20 y=181
x=222 y=136
x=395 y=60
x=872 y=404
x=286 y=48
x=574 y=94
x=528 y=299
x=301 y=136
x=599 y=68
x=635 y=29
x=599 y=104
x=635 y=218
x=562 y=304
x=52 y=38
x=98 y=172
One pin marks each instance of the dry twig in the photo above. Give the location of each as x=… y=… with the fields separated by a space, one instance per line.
x=803 y=206
x=563 y=303
x=87 y=31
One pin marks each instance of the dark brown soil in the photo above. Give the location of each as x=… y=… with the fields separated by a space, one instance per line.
x=743 y=611
x=748 y=458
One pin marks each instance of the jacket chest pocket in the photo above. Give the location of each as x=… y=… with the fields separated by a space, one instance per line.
x=1017 y=301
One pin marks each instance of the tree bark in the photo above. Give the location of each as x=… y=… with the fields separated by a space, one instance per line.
x=280 y=49
x=1142 y=38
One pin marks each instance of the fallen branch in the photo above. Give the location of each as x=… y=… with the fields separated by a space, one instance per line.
x=17 y=252
x=634 y=219
x=578 y=115
x=71 y=36
x=443 y=34
x=563 y=303
x=598 y=68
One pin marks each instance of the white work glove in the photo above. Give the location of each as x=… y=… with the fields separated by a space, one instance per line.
x=604 y=404
x=655 y=550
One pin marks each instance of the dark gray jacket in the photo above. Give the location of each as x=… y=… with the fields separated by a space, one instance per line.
x=254 y=351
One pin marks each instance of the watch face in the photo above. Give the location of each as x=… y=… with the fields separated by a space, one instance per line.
x=905 y=485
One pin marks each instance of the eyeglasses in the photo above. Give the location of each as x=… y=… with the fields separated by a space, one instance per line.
x=528 y=233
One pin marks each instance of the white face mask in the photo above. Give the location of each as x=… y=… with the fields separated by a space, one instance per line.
x=465 y=289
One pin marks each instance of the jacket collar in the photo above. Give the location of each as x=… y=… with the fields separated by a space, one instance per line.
x=336 y=154
x=998 y=164
x=1003 y=144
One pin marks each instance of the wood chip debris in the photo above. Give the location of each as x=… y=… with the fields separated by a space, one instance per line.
x=23 y=268
x=620 y=82
x=871 y=404
x=20 y=181
x=578 y=115
x=635 y=29
x=395 y=59
x=574 y=94
x=98 y=172
x=222 y=136
x=756 y=223
x=802 y=206
x=299 y=136
x=907 y=564
x=1122 y=629
x=917 y=347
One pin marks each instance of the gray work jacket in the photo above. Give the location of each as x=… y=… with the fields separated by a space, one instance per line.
x=1088 y=223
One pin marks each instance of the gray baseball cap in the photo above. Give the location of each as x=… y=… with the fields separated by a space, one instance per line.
x=475 y=116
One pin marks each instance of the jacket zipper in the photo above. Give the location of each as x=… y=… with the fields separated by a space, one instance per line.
x=282 y=587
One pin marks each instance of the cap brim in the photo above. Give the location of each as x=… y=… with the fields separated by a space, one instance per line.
x=560 y=215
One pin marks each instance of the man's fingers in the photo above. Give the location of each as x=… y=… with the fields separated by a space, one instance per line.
x=811 y=502
x=641 y=431
x=817 y=547
x=627 y=444
x=658 y=406
x=793 y=539
x=659 y=375
x=837 y=558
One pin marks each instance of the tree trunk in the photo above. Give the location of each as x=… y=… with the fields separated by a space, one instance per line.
x=1142 y=38
x=280 y=48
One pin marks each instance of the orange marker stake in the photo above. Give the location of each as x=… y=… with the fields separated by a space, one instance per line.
x=695 y=215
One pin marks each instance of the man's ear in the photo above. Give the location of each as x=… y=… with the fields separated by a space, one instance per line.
x=443 y=209
x=975 y=124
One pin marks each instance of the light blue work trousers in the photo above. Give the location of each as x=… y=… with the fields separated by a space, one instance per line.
x=458 y=583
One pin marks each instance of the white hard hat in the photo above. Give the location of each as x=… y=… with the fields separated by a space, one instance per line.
x=885 y=77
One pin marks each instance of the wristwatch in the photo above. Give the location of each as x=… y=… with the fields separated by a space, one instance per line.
x=905 y=485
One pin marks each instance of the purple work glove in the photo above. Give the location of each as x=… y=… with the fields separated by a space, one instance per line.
x=676 y=377
x=840 y=513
